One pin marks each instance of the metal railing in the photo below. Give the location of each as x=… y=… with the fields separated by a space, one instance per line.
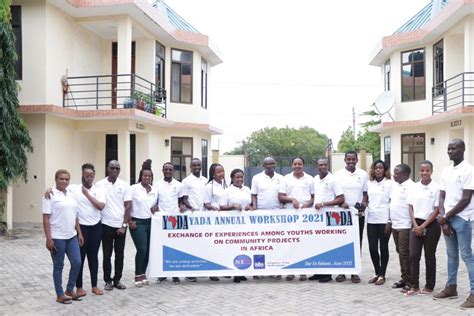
x=457 y=91
x=122 y=91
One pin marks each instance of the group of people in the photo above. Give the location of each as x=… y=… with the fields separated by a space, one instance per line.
x=78 y=218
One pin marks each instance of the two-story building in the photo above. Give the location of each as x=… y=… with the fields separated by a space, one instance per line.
x=109 y=79
x=427 y=67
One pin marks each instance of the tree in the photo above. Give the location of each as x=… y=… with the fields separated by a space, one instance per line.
x=15 y=141
x=283 y=142
x=370 y=141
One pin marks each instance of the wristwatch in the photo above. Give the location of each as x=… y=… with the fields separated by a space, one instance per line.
x=124 y=225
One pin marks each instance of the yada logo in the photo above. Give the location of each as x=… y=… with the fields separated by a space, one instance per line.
x=259 y=262
x=341 y=218
x=175 y=222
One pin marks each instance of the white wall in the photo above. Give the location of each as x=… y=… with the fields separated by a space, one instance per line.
x=231 y=162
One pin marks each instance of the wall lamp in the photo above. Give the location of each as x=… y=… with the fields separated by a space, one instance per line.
x=167 y=142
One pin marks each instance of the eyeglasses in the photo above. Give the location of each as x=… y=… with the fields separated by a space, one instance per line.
x=115 y=168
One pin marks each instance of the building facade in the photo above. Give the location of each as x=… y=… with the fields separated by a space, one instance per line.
x=109 y=79
x=427 y=66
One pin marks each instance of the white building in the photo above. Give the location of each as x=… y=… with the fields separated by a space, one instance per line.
x=428 y=65
x=89 y=74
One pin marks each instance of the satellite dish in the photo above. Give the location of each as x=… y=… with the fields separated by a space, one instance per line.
x=385 y=102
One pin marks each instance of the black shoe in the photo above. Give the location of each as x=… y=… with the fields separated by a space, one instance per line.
x=176 y=280
x=119 y=285
x=236 y=279
x=191 y=279
x=315 y=277
x=399 y=284
x=242 y=278
x=214 y=278
x=108 y=286
x=161 y=279
x=325 y=279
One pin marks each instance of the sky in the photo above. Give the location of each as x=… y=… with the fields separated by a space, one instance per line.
x=293 y=63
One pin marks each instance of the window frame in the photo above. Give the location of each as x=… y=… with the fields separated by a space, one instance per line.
x=414 y=176
x=204 y=157
x=162 y=62
x=204 y=83
x=387 y=152
x=438 y=90
x=181 y=156
x=386 y=75
x=180 y=63
x=412 y=63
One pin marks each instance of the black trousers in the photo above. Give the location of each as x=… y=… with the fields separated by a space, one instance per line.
x=111 y=242
x=361 y=229
x=92 y=238
x=377 y=238
x=428 y=242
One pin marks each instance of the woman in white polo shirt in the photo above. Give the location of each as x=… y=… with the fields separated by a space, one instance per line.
x=63 y=235
x=425 y=232
x=144 y=197
x=378 y=209
x=236 y=197
x=297 y=191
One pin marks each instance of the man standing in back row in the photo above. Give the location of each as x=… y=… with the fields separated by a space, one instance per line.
x=456 y=210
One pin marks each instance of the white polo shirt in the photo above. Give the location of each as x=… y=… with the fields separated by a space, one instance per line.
x=424 y=198
x=195 y=189
x=379 y=201
x=63 y=214
x=399 y=214
x=168 y=195
x=266 y=189
x=116 y=194
x=354 y=184
x=298 y=188
x=88 y=214
x=142 y=201
x=214 y=193
x=455 y=179
x=235 y=195
x=326 y=189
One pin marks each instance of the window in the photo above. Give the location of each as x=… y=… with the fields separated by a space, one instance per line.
x=438 y=68
x=181 y=155
x=387 y=149
x=203 y=83
x=111 y=149
x=181 y=76
x=160 y=66
x=16 y=26
x=413 y=152
x=204 y=150
x=413 y=75
x=386 y=75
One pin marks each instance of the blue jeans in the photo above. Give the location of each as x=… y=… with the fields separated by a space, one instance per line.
x=70 y=247
x=460 y=241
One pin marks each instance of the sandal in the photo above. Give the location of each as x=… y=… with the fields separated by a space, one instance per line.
x=412 y=292
x=303 y=277
x=80 y=292
x=340 y=278
x=289 y=277
x=425 y=291
x=138 y=281
x=73 y=296
x=97 y=291
x=374 y=279
x=64 y=300
x=380 y=281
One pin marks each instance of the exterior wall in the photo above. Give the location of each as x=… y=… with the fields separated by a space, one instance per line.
x=231 y=162
x=27 y=196
x=337 y=162
x=33 y=23
x=145 y=58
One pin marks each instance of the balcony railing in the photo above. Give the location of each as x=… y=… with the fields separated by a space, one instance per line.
x=122 y=91
x=457 y=91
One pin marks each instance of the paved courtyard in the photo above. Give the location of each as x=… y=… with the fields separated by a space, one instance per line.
x=26 y=287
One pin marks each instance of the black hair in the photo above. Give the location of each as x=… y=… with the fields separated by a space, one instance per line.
x=146 y=165
x=233 y=173
x=168 y=163
x=297 y=157
x=386 y=169
x=404 y=168
x=89 y=166
x=212 y=170
x=427 y=162
x=350 y=152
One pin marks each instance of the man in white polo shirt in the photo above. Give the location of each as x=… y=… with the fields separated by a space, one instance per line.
x=400 y=221
x=170 y=192
x=265 y=186
x=194 y=187
x=456 y=212
x=327 y=192
x=353 y=182
x=115 y=218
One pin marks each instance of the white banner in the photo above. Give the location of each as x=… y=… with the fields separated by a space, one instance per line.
x=263 y=242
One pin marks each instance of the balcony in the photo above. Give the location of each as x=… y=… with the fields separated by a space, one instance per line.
x=455 y=92
x=123 y=91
